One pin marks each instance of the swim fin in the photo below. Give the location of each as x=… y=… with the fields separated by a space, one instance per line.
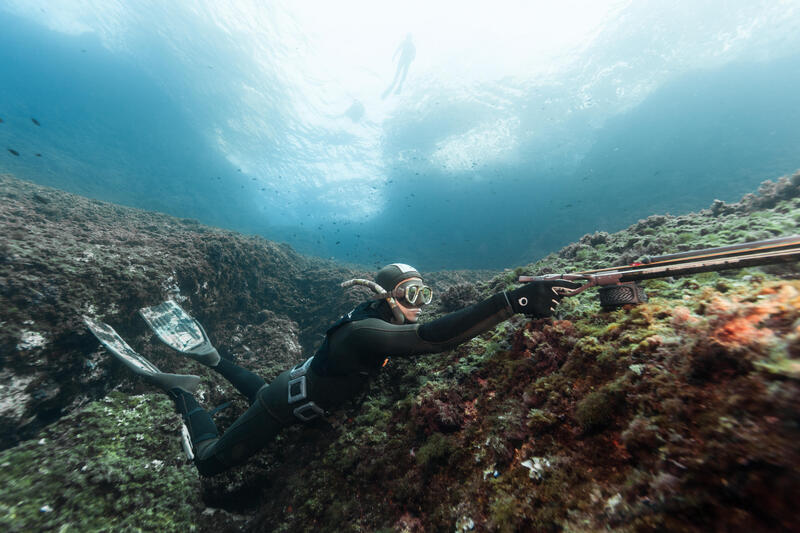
x=180 y=331
x=136 y=363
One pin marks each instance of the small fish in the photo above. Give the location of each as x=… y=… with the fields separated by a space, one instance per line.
x=13 y=151
x=1 y=120
x=35 y=121
x=38 y=155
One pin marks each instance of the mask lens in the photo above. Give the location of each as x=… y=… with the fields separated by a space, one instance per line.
x=425 y=295
x=418 y=295
x=412 y=293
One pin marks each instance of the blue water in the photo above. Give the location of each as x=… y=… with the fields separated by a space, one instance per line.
x=236 y=121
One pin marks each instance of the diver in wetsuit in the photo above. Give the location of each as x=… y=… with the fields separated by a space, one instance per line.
x=355 y=348
x=407 y=52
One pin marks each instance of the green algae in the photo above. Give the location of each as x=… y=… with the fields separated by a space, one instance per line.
x=114 y=465
x=540 y=420
x=596 y=409
x=780 y=362
x=435 y=450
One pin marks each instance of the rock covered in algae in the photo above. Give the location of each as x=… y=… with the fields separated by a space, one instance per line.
x=678 y=414
x=114 y=465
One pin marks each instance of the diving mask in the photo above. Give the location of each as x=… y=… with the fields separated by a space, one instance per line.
x=414 y=293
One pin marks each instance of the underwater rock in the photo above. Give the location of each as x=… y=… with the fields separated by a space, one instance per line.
x=641 y=437
x=596 y=410
x=677 y=414
x=598 y=237
x=63 y=256
x=721 y=208
x=30 y=340
x=458 y=297
x=13 y=398
x=438 y=411
x=41 y=198
x=103 y=467
x=769 y=194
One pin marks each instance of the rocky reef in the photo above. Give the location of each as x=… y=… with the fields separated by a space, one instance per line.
x=678 y=414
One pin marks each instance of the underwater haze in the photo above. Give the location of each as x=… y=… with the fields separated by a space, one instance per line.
x=441 y=134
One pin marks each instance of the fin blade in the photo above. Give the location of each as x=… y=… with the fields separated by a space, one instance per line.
x=120 y=349
x=175 y=327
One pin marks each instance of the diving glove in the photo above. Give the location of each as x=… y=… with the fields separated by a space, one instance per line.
x=538 y=298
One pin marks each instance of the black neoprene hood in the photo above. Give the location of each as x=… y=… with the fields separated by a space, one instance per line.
x=389 y=276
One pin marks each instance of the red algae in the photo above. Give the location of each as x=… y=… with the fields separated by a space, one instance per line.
x=740 y=323
x=741 y=331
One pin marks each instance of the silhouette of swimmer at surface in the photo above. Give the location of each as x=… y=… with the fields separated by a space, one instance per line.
x=407 y=52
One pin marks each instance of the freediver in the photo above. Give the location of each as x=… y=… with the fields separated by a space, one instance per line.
x=355 y=348
x=407 y=52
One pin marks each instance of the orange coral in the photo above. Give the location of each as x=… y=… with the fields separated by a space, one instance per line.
x=741 y=331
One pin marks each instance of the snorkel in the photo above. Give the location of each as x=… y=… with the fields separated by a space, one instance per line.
x=387 y=286
x=381 y=294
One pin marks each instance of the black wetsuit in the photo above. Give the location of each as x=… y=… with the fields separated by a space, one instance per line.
x=354 y=349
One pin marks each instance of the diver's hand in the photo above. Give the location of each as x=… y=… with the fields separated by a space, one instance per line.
x=538 y=298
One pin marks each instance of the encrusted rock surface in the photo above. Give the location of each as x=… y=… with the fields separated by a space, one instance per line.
x=64 y=256
x=677 y=414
